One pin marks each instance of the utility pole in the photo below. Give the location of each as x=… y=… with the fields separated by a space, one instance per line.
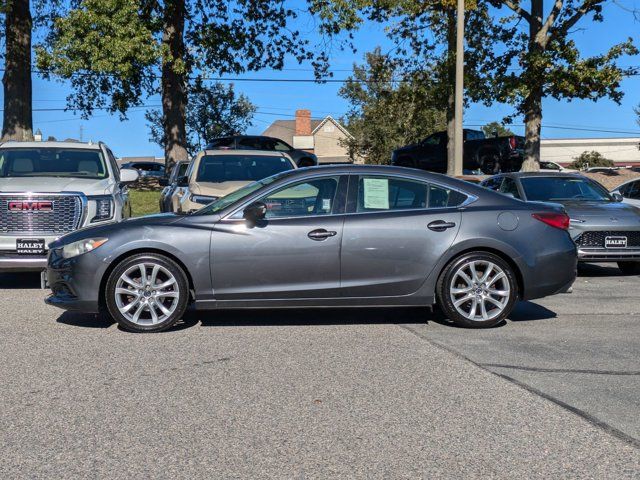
x=459 y=89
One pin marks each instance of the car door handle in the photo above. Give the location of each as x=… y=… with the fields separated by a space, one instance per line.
x=440 y=225
x=320 y=234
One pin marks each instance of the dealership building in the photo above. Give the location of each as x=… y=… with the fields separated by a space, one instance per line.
x=623 y=151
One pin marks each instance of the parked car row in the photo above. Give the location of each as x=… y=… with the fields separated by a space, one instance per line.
x=248 y=229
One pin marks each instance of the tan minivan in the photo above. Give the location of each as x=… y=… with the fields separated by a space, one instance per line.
x=216 y=173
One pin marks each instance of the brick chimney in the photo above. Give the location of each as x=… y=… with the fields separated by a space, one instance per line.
x=303 y=122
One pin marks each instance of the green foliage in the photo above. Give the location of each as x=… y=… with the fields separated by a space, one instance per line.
x=491 y=128
x=112 y=51
x=212 y=111
x=590 y=159
x=551 y=62
x=384 y=113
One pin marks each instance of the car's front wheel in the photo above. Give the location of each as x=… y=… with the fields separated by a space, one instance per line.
x=629 y=268
x=477 y=290
x=147 y=293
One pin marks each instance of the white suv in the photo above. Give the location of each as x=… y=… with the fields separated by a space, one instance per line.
x=48 y=189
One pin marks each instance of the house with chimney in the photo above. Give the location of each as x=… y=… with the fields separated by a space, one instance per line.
x=321 y=136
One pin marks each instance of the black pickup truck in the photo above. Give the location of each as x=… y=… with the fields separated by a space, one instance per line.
x=490 y=155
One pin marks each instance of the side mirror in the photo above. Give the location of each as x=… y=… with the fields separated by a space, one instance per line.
x=255 y=212
x=163 y=181
x=183 y=181
x=128 y=175
x=617 y=197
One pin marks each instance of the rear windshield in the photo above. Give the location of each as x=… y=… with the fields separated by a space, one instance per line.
x=549 y=189
x=52 y=162
x=229 y=168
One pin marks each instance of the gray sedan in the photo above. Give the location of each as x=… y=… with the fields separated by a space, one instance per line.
x=604 y=229
x=342 y=236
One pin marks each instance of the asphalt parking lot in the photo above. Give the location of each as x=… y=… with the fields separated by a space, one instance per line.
x=554 y=392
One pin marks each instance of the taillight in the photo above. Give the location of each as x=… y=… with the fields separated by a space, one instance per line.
x=556 y=220
x=512 y=142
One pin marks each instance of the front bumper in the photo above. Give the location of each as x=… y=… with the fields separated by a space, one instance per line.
x=75 y=282
x=12 y=262
x=604 y=255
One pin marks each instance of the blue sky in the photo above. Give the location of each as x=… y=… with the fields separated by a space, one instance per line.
x=280 y=100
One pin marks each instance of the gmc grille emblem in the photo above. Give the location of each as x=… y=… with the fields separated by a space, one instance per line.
x=30 y=206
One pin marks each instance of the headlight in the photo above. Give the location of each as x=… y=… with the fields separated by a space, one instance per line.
x=202 y=199
x=104 y=208
x=81 y=246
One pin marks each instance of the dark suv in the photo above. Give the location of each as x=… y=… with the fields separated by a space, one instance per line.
x=302 y=158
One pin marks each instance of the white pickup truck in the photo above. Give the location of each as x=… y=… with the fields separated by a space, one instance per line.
x=48 y=189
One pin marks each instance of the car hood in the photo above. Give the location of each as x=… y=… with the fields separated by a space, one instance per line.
x=88 y=186
x=216 y=189
x=603 y=213
x=109 y=229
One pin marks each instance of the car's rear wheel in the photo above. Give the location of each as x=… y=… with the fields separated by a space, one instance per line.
x=477 y=290
x=629 y=268
x=147 y=293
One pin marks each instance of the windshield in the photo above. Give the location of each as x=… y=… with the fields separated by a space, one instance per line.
x=236 y=196
x=229 y=168
x=52 y=162
x=550 y=189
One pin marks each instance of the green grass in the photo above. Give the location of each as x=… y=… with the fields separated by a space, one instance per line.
x=144 y=202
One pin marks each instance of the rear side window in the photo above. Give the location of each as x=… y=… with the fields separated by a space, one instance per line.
x=228 y=168
x=389 y=193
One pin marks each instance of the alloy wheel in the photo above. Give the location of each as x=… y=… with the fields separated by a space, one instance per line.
x=147 y=293
x=479 y=290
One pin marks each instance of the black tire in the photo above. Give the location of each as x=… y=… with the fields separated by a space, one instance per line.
x=444 y=287
x=306 y=162
x=629 y=268
x=181 y=286
x=490 y=164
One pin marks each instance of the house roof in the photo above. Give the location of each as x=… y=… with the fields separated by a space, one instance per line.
x=286 y=129
x=336 y=123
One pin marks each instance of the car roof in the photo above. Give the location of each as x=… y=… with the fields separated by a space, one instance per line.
x=69 y=145
x=262 y=153
x=540 y=174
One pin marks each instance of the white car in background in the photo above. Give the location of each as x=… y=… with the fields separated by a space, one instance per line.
x=217 y=173
x=548 y=166
x=630 y=192
x=49 y=189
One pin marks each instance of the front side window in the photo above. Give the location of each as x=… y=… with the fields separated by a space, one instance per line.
x=492 y=183
x=389 y=193
x=52 y=162
x=631 y=190
x=308 y=198
x=557 y=188
x=240 y=168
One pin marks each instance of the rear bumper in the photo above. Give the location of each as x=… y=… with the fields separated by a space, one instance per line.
x=602 y=255
x=552 y=273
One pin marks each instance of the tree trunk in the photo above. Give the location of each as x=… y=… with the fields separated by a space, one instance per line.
x=17 y=119
x=533 y=101
x=451 y=75
x=174 y=80
x=533 y=124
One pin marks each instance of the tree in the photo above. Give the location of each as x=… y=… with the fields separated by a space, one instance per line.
x=424 y=33
x=17 y=116
x=637 y=110
x=548 y=63
x=493 y=129
x=114 y=52
x=590 y=159
x=19 y=27
x=384 y=113
x=212 y=111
